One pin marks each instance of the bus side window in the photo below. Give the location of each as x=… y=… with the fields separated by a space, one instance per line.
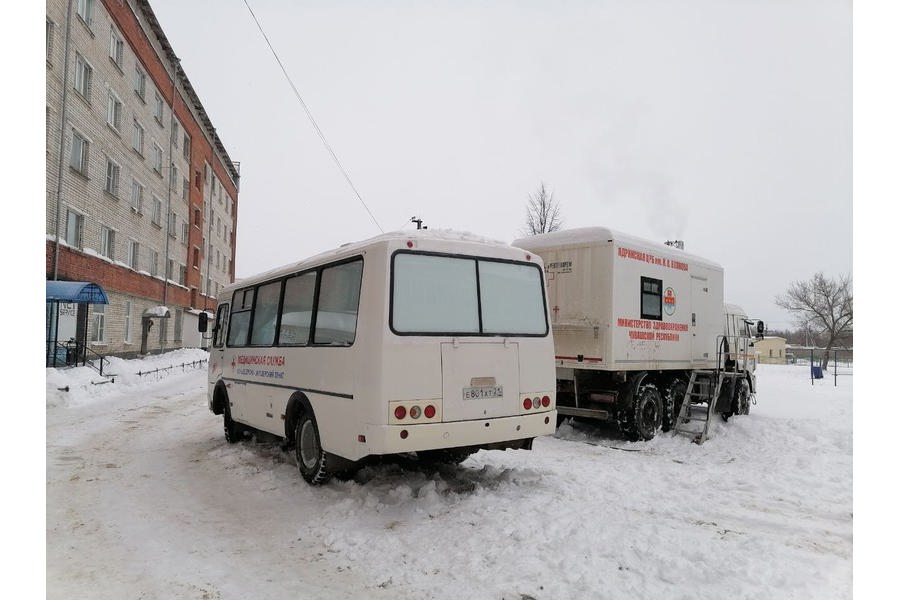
x=338 y=304
x=264 y=313
x=296 y=314
x=239 y=328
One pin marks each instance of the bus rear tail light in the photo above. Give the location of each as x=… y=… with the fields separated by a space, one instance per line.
x=526 y=404
x=545 y=401
x=411 y=411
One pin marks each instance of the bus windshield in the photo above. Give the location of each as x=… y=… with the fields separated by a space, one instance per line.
x=455 y=295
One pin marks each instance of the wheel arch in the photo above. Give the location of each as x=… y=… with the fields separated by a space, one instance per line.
x=220 y=398
x=297 y=404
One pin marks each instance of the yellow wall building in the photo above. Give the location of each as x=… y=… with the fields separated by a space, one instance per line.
x=771 y=350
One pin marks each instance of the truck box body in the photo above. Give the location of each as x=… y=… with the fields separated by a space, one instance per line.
x=620 y=303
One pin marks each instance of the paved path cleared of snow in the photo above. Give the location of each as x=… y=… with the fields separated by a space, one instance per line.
x=145 y=499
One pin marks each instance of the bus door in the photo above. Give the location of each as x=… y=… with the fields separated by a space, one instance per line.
x=217 y=351
x=480 y=380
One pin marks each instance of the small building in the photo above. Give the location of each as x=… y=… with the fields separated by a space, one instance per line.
x=771 y=350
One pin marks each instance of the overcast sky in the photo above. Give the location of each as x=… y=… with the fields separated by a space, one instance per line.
x=724 y=124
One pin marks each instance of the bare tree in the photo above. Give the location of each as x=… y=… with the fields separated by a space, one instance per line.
x=542 y=213
x=824 y=306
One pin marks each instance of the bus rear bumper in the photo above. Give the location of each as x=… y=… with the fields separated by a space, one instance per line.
x=387 y=439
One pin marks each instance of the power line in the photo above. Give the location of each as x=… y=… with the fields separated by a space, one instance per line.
x=311 y=119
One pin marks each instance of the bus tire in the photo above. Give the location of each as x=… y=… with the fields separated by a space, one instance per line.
x=311 y=459
x=645 y=416
x=233 y=431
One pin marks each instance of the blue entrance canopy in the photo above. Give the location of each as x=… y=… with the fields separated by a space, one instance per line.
x=77 y=292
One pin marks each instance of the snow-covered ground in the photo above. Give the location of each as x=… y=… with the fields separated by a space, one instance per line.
x=145 y=499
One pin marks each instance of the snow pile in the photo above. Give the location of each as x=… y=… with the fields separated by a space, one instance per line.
x=77 y=386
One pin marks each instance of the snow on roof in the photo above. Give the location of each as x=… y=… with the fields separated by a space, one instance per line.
x=586 y=236
x=353 y=247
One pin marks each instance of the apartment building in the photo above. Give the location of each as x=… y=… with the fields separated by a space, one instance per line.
x=142 y=196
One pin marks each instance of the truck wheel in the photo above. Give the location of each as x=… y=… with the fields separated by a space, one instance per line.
x=646 y=414
x=233 y=431
x=311 y=458
x=672 y=403
x=742 y=398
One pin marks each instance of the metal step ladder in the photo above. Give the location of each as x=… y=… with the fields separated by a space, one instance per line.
x=698 y=406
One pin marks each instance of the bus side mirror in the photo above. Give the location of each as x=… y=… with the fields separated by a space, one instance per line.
x=203 y=323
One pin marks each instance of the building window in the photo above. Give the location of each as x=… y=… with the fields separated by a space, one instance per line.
x=137 y=195
x=112 y=178
x=185 y=228
x=197 y=219
x=185 y=189
x=170 y=269
x=182 y=274
x=134 y=254
x=137 y=138
x=158 y=109
x=173 y=223
x=196 y=257
x=175 y=134
x=173 y=177
x=79 y=158
x=153 y=262
x=83 y=74
x=651 y=298
x=157 y=158
x=156 y=217
x=50 y=29
x=114 y=111
x=74 y=227
x=126 y=337
x=186 y=150
x=116 y=47
x=85 y=10
x=98 y=324
x=140 y=82
x=108 y=243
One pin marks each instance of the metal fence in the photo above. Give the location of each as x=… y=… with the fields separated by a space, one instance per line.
x=164 y=371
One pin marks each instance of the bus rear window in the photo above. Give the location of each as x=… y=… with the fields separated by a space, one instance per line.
x=452 y=295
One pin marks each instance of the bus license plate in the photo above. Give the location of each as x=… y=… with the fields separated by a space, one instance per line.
x=479 y=393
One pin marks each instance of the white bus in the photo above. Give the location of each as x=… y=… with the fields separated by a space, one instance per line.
x=430 y=342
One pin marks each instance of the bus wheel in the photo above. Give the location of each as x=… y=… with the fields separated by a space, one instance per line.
x=646 y=414
x=233 y=432
x=310 y=456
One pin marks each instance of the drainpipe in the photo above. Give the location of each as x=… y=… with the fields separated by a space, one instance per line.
x=169 y=184
x=177 y=62
x=62 y=138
